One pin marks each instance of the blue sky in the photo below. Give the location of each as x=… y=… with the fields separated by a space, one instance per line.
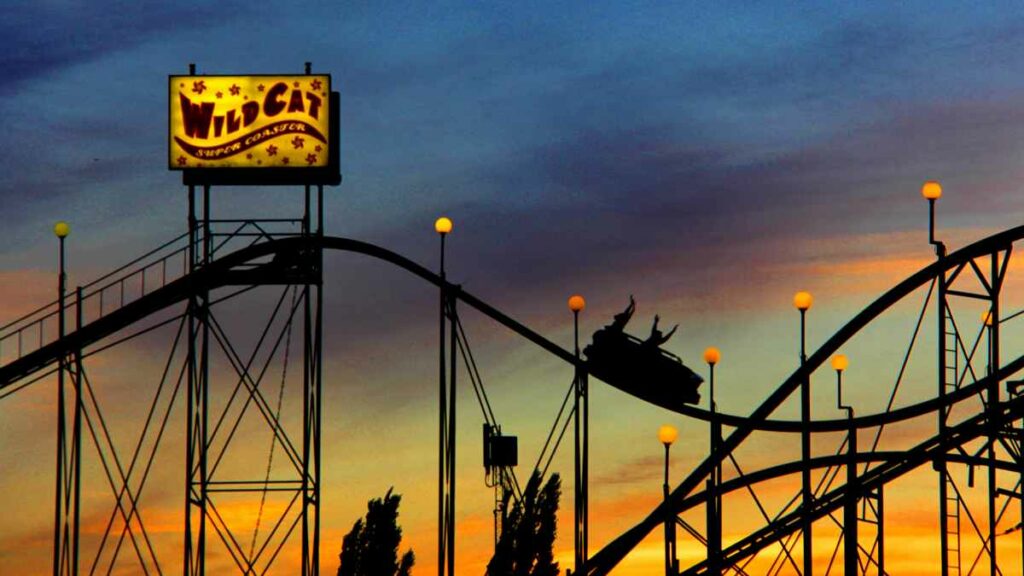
x=711 y=158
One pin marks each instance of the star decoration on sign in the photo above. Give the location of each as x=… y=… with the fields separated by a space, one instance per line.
x=298 y=142
x=235 y=89
x=296 y=84
x=260 y=87
x=318 y=148
x=311 y=159
x=182 y=160
x=199 y=86
x=315 y=84
x=248 y=156
x=220 y=94
x=284 y=160
x=271 y=150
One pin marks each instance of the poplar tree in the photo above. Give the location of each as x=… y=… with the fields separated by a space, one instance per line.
x=371 y=547
x=526 y=544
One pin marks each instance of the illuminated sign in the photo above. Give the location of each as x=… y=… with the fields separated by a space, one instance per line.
x=250 y=122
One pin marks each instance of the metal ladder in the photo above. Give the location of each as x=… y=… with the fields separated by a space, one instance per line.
x=951 y=383
x=951 y=528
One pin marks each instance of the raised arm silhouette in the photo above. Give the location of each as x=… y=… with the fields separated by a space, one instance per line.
x=657 y=338
x=622 y=318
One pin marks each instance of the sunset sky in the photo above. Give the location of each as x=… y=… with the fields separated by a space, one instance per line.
x=710 y=159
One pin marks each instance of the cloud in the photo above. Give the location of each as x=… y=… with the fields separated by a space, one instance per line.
x=45 y=37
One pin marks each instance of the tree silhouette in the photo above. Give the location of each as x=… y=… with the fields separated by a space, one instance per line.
x=371 y=547
x=527 y=540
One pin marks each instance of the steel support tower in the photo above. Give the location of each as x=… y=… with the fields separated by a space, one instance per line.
x=302 y=273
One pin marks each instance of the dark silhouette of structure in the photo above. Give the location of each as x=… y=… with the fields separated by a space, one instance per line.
x=978 y=404
x=622 y=318
x=657 y=338
x=371 y=547
x=641 y=368
x=528 y=538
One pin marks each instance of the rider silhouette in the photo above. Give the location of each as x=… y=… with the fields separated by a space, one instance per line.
x=622 y=318
x=656 y=338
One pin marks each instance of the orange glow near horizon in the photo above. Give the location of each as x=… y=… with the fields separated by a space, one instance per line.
x=626 y=478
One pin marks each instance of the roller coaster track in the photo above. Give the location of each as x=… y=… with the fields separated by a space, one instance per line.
x=606 y=559
x=249 y=266
x=234 y=269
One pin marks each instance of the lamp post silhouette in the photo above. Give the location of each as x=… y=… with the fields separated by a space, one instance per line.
x=582 y=440
x=802 y=301
x=667 y=435
x=714 y=505
x=932 y=191
x=443 y=227
x=850 y=538
x=446 y=426
x=66 y=509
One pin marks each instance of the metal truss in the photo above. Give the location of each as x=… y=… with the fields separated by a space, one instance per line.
x=220 y=259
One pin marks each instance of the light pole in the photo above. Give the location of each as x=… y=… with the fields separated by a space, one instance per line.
x=443 y=226
x=446 y=422
x=851 y=541
x=714 y=505
x=66 y=510
x=582 y=439
x=667 y=435
x=802 y=301
x=932 y=191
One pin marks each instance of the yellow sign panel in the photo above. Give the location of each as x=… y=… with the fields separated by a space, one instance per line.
x=249 y=121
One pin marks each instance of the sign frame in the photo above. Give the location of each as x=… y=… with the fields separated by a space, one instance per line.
x=329 y=175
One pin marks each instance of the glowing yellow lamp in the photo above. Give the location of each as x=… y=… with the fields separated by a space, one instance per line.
x=667 y=434
x=712 y=355
x=443 y=225
x=931 y=190
x=61 y=229
x=803 y=300
x=840 y=362
x=577 y=303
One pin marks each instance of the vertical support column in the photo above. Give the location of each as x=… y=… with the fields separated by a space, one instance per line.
x=581 y=444
x=940 y=461
x=807 y=497
x=670 y=523
x=76 y=438
x=850 y=535
x=68 y=460
x=306 y=393
x=312 y=379
x=667 y=434
x=197 y=397
x=60 y=543
x=932 y=191
x=443 y=226
x=307 y=396
x=585 y=387
x=880 y=514
x=318 y=379
x=581 y=453
x=714 y=511
x=714 y=505
x=203 y=380
x=452 y=358
x=995 y=277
